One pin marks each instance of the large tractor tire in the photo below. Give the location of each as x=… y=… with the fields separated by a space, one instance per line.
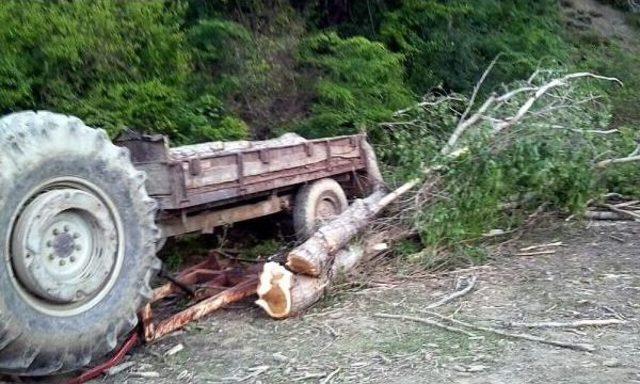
x=316 y=203
x=77 y=244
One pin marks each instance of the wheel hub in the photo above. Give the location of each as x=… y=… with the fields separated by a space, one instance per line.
x=64 y=245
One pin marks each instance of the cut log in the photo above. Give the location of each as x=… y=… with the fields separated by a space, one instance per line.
x=316 y=254
x=282 y=293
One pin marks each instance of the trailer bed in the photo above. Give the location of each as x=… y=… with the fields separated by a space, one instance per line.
x=218 y=173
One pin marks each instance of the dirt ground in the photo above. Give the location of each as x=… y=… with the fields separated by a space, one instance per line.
x=595 y=274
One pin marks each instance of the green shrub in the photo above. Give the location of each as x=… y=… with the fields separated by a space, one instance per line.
x=359 y=83
x=448 y=43
x=250 y=63
x=218 y=46
x=612 y=59
x=112 y=63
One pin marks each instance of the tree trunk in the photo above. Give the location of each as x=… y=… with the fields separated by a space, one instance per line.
x=282 y=293
x=314 y=255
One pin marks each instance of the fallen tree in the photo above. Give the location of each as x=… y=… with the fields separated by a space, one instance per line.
x=313 y=265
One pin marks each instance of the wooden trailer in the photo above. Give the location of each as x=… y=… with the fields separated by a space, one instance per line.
x=203 y=186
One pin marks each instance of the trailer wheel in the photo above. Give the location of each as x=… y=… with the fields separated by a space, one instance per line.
x=78 y=244
x=316 y=202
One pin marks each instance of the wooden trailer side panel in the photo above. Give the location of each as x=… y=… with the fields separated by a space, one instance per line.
x=225 y=176
x=242 y=167
x=184 y=177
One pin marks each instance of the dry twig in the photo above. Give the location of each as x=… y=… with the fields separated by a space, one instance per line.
x=470 y=284
x=424 y=321
x=537 y=246
x=523 y=336
x=621 y=211
x=330 y=376
x=538 y=253
x=633 y=156
x=569 y=324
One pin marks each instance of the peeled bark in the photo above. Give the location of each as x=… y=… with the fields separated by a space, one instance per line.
x=282 y=293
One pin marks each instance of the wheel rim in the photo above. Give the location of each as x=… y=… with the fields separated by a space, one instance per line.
x=65 y=246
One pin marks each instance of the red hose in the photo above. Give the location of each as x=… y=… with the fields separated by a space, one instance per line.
x=98 y=370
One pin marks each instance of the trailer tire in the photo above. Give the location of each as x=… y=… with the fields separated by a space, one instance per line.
x=315 y=202
x=70 y=199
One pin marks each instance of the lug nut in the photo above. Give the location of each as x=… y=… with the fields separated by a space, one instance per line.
x=66 y=228
x=77 y=247
x=62 y=262
x=49 y=243
x=55 y=231
x=72 y=259
x=51 y=257
x=76 y=235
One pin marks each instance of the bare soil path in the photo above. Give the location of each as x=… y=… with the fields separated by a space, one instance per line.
x=594 y=275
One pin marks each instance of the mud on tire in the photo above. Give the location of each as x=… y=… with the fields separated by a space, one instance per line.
x=43 y=328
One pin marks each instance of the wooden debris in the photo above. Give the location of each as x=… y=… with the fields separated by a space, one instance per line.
x=538 y=246
x=626 y=204
x=330 y=376
x=145 y=374
x=616 y=207
x=175 y=349
x=630 y=214
x=315 y=255
x=569 y=324
x=119 y=368
x=524 y=336
x=470 y=368
x=616 y=238
x=331 y=330
x=425 y=321
x=255 y=372
x=243 y=289
x=632 y=157
x=470 y=284
x=310 y=376
x=538 y=253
